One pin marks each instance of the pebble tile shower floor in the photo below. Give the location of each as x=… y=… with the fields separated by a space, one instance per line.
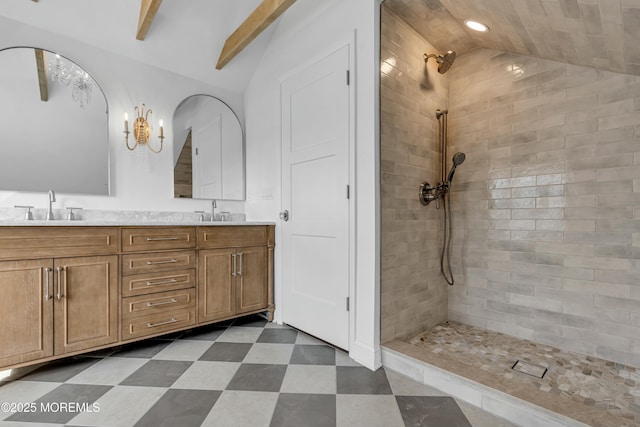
x=581 y=384
x=247 y=372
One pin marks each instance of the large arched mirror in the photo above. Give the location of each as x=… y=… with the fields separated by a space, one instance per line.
x=54 y=122
x=208 y=150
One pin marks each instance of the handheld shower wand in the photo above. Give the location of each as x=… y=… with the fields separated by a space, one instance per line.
x=458 y=159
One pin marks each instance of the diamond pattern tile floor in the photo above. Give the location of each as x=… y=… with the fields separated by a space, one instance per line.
x=246 y=372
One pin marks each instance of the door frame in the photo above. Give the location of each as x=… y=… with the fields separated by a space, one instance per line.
x=350 y=42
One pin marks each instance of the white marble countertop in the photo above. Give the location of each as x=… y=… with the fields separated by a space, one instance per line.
x=15 y=217
x=124 y=223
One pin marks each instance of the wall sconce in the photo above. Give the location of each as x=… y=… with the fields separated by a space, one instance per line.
x=141 y=130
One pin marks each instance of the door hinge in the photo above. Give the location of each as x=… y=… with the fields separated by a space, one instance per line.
x=196 y=151
x=348 y=78
x=348 y=192
x=347 y=303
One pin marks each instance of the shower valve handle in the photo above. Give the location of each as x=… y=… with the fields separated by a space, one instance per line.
x=426 y=193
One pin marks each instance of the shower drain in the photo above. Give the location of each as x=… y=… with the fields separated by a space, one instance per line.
x=529 y=369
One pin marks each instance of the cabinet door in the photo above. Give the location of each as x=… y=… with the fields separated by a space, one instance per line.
x=27 y=317
x=86 y=302
x=216 y=295
x=251 y=279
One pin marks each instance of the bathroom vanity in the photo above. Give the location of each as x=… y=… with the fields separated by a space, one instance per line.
x=70 y=289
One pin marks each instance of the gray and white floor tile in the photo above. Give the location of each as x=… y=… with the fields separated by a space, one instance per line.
x=246 y=372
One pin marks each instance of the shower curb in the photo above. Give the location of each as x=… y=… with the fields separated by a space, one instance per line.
x=498 y=403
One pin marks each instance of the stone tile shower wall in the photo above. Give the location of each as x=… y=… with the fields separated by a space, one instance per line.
x=414 y=297
x=547 y=203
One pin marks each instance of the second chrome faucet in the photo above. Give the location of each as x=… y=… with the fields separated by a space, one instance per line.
x=52 y=198
x=214 y=205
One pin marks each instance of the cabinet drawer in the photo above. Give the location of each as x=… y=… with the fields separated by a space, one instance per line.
x=232 y=236
x=142 y=284
x=146 y=239
x=153 y=324
x=160 y=302
x=49 y=242
x=157 y=261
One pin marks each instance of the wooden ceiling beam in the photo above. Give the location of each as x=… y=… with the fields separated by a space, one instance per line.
x=42 y=74
x=148 y=10
x=267 y=12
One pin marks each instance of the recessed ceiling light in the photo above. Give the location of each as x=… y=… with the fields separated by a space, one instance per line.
x=476 y=26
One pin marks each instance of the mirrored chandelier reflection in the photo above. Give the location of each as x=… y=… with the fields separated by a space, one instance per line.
x=80 y=81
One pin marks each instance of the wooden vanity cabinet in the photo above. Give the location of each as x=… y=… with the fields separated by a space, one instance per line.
x=158 y=280
x=234 y=274
x=57 y=305
x=71 y=289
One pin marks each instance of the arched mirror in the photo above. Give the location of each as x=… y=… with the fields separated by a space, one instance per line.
x=208 y=150
x=54 y=122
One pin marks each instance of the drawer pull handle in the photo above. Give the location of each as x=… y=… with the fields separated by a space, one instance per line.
x=160 y=239
x=168 y=322
x=161 y=282
x=171 y=261
x=155 y=304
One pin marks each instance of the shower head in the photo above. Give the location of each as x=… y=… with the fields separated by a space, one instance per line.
x=458 y=159
x=444 y=61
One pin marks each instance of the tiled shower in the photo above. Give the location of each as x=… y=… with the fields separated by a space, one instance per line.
x=546 y=207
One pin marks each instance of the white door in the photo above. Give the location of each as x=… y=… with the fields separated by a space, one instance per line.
x=206 y=146
x=315 y=175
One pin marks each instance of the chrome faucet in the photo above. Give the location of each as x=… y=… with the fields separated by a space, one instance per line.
x=214 y=205
x=52 y=198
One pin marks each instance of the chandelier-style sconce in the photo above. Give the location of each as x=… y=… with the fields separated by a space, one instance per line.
x=142 y=130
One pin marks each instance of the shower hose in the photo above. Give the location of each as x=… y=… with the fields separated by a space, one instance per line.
x=447 y=273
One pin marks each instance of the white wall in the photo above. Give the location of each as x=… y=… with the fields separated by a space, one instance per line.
x=307 y=32
x=139 y=180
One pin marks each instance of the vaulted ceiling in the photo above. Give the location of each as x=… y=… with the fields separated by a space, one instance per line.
x=604 y=34
x=185 y=37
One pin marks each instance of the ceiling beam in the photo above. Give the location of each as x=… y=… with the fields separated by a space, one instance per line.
x=267 y=12
x=148 y=10
x=42 y=75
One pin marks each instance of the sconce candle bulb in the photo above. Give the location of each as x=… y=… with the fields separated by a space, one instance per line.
x=142 y=130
